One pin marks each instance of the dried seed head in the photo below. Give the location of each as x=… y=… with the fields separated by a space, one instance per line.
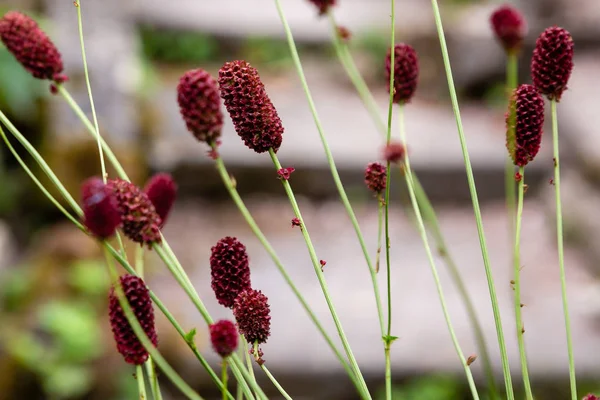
x=406 y=72
x=394 y=152
x=229 y=270
x=31 y=46
x=162 y=191
x=138 y=296
x=223 y=337
x=140 y=221
x=529 y=121
x=199 y=104
x=552 y=62
x=100 y=209
x=254 y=117
x=509 y=27
x=252 y=313
x=323 y=5
x=375 y=176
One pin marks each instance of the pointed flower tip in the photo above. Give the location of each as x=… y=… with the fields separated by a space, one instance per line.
x=161 y=189
x=509 y=26
x=100 y=209
x=253 y=114
x=552 y=62
x=528 y=124
x=406 y=72
x=229 y=270
x=253 y=315
x=138 y=297
x=32 y=48
x=223 y=337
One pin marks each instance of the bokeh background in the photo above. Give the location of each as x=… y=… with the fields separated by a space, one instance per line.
x=55 y=341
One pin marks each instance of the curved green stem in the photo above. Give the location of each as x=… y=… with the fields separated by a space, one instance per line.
x=334 y=172
x=321 y=278
x=512 y=79
x=224 y=379
x=517 y=288
x=438 y=284
x=561 y=254
x=153 y=378
x=380 y=202
x=275 y=383
x=139 y=376
x=475 y=200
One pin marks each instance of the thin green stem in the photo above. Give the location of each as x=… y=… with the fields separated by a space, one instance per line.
x=475 y=200
x=154 y=387
x=561 y=255
x=224 y=378
x=249 y=364
x=423 y=233
x=321 y=278
x=379 y=231
x=330 y=160
x=275 y=383
x=517 y=288
x=230 y=186
x=139 y=376
x=512 y=79
x=89 y=89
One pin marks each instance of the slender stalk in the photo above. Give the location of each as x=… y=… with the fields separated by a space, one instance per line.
x=249 y=364
x=512 y=78
x=139 y=375
x=156 y=395
x=89 y=88
x=321 y=278
x=428 y=212
x=277 y=385
x=224 y=378
x=517 y=288
x=230 y=186
x=561 y=255
x=475 y=200
x=423 y=233
x=330 y=160
x=380 y=202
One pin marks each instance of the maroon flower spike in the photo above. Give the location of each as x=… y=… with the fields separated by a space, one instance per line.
x=224 y=337
x=100 y=209
x=285 y=173
x=31 y=47
x=529 y=120
x=162 y=191
x=406 y=72
x=375 y=176
x=254 y=117
x=140 y=221
x=394 y=152
x=509 y=27
x=591 y=397
x=199 y=104
x=552 y=62
x=252 y=313
x=229 y=270
x=138 y=296
x=323 y=5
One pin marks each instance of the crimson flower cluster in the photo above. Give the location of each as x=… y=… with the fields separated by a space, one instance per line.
x=528 y=124
x=323 y=5
x=161 y=190
x=223 y=337
x=101 y=214
x=406 y=72
x=509 y=26
x=552 y=62
x=375 y=177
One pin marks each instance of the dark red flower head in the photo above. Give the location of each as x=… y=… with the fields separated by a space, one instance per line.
x=529 y=121
x=323 y=5
x=162 y=191
x=406 y=72
x=591 y=397
x=394 y=152
x=254 y=117
x=552 y=62
x=31 y=46
x=509 y=27
x=100 y=209
x=253 y=315
x=200 y=105
x=229 y=270
x=375 y=176
x=223 y=337
x=138 y=296
x=140 y=221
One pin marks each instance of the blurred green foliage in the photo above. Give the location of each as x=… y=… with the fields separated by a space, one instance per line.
x=431 y=387
x=178 y=46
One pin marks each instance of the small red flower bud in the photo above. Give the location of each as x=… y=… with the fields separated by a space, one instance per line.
x=375 y=176
x=31 y=47
x=284 y=173
x=529 y=121
x=199 y=104
x=509 y=27
x=406 y=72
x=591 y=397
x=252 y=313
x=162 y=191
x=344 y=33
x=229 y=270
x=394 y=152
x=296 y=222
x=140 y=221
x=138 y=297
x=100 y=209
x=552 y=62
x=254 y=117
x=323 y=5
x=223 y=337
